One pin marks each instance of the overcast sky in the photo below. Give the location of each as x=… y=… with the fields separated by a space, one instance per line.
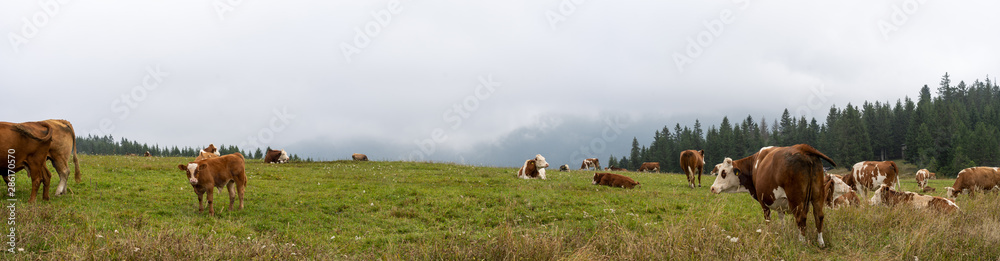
x=478 y=82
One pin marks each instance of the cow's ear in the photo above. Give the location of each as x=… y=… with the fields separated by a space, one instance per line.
x=181 y=167
x=736 y=171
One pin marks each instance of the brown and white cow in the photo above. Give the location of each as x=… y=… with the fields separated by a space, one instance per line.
x=27 y=146
x=649 y=167
x=868 y=175
x=692 y=164
x=929 y=189
x=972 y=179
x=225 y=171
x=205 y=155
x=922 y=176
x=591 y=163
x=788 y=179
x=614 y=180
x=275 y=156
x=838 y=193
x=613 y=168
x=147 y=154
x=211 y=149
x=359 y=157
x=564 y=168
x=533 y=168
x=885 y=195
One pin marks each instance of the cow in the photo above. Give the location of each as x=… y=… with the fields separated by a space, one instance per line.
x=885 y=195
x=649 y=167
x=130 y=154
x=564 y=168
x=225 y=171
x=533 y=168
x=62 y=149
x=613 y=168
x=838 y=193
x=976 y=178
x=359 y=157
x=205 y=155
x=922 y=176
x=929 y=189
x=147 y=154
x=27 y=146
x=868 y=175
x=590 y=163
x=693 y=163
x=783 y=178
x=614 y=180
x=275 y=156
x=211 y=149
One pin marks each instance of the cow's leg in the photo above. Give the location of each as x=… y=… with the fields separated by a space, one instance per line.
x=239 y=190
x=232 y=194
x=699 y=177
x=201 y=207
x=800 y=212
x=61 y=164
x=35 y=181
x=818 y=218
x=46 y=179
x=211 y=208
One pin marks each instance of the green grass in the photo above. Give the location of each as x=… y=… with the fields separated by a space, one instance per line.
x=140 y=208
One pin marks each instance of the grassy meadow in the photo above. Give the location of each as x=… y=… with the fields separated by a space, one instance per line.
x=138 y=208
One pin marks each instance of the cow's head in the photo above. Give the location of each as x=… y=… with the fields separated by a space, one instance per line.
x=952 y=194
x=284 y=157
x=727 y=179
x=540 y=162
x=597 y=178
x=836 y=187
x=881 y=192
x=192 y=171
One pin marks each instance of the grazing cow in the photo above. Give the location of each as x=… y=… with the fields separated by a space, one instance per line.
x=275 y=156
x=976 y=178
x=62 y=149
x=922 y=176
x=929 y=189
x=693 y=163
x=211 y=149
x=838 y=193
x=868 y=175
x=147 y=154
x=649 y=167
x=225 y=171
x=533 y=168
x=27 y=146
x=564 y=168
x=784 y=178
x=614 y=180
x=613 y=168
x=885 y=195
x=205 y=155
x=591 y=163
x=359 y=157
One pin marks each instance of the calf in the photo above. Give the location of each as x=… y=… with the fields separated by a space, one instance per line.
x=613 y=168
x=888 y=196
x=693 y=163
x=533 y=168
x=976 y=178
x=838 y=193
x=649 y=167
x=614 y=180
x=225 y=171
x=929 y=189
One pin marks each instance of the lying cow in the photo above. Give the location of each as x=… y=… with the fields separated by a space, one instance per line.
x=614 y=180
x=564 y=168
x=275 y=156
x=147 y=154
x=929 y=189
x=838 y=193
x=922 y=176
x=976 y=178
x=27 y=146
x=692 y=164
x=211 y=149
x=890 y=197
x=591 y=163
x=533 y=168
x=788 y=179
x=649 y=167
x=869 y=175
x=613 y=168
x=225 y=171
x=359 y=157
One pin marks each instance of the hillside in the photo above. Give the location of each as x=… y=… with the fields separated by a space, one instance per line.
x=142 y=208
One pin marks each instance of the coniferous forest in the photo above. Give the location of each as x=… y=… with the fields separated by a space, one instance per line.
x=955 y=128
x=107 y=145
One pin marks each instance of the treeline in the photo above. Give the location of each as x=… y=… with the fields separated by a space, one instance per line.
x=958 y=128
x=107 y=145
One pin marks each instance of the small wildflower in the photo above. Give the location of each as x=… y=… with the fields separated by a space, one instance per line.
x=734 y=239
x=758 y=230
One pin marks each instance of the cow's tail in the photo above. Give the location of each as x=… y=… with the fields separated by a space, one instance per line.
x=76 y=162
x=896 y=170
x=813 y=152
x=34 y=134
x=810 y=151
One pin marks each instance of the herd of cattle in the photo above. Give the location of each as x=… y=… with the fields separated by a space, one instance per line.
x=786 y=179
x=792 y=179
